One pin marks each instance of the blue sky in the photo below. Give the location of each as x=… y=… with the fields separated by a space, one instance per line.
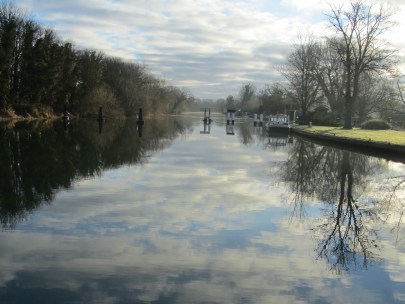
x=209 y=47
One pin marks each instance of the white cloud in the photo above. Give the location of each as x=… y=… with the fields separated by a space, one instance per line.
x=210 y=47
x=308 y=5
x=195 y=44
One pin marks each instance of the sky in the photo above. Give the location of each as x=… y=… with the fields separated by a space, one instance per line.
x=209 y=48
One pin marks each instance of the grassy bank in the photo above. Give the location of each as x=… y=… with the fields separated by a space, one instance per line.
x=383 y=136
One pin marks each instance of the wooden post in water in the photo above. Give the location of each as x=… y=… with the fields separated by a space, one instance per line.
x=230 y=117
x=100 y=117
x=140 y=120
x=207 y=115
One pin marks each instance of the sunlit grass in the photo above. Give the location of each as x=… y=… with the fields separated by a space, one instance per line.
x=386 y=136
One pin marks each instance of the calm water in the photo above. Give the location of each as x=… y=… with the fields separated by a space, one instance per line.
x=194 y=214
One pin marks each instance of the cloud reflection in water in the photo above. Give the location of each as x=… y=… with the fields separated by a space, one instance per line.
x=203 y=221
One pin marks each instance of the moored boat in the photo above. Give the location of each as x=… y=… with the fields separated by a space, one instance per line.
x=278 y=122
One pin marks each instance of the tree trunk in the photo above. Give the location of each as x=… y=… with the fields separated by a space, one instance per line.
x=348 y=114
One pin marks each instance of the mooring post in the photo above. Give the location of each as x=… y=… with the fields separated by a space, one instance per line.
x=140 y=129
x=140 y=116
x=100 y=115
x=140 y=121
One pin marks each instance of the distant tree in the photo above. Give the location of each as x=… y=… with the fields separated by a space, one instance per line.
x=221 y=105
x=179 y=100
x=360 y=26
x=157 y=95
x=230 y=103
x=272 y=99
x=246 y=94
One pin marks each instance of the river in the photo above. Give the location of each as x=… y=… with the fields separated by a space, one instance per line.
x=182 y=212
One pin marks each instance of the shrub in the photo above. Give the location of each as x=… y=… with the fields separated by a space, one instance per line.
x=376 y=124
x=326 y=121
x=100 y=97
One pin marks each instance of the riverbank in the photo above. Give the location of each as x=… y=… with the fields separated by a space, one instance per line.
x=43 y=113
x=389 y=144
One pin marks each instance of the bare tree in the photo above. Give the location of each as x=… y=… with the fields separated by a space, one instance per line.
x=330 y=75
x=360 y=28
x=300 y=71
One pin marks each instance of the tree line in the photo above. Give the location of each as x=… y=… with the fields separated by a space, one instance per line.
x=351 y=74
x=39 y=72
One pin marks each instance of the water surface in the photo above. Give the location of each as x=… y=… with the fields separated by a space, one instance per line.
x=184 y=212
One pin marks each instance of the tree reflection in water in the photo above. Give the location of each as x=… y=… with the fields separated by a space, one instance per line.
x=348 y=238
x=38 y=160
x=338 y=179
x=244 y=132
x=391 y=208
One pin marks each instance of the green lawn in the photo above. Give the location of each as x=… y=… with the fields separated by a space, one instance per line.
x=387 y=136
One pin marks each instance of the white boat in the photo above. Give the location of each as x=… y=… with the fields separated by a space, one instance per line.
x=278 y=122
